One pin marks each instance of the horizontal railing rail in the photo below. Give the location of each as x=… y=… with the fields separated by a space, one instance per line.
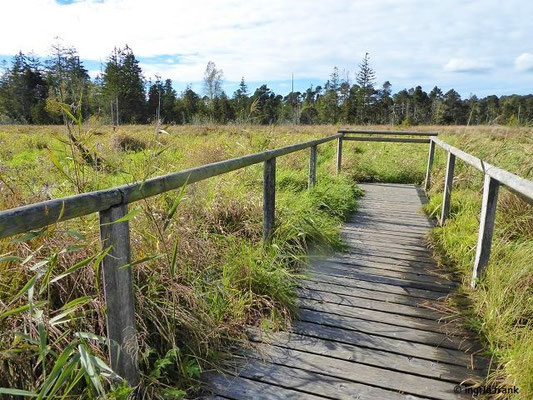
x=38 y=215
x=398 y=133
x=493 y=178
x=112 y=205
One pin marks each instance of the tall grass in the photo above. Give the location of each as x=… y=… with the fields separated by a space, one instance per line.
x=200 y=277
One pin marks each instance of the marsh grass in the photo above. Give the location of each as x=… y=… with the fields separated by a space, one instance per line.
x=200 y=275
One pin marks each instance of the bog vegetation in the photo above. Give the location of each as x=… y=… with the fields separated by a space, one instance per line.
x=200 y=278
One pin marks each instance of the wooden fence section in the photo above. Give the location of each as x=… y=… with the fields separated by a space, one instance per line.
x=112 y=204
x=493 y=177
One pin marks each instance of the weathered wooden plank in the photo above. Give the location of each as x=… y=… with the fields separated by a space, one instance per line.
x=350 y=371
x=411 y=275
x=359 y=354
x=448 y=182
x=382 y=132
x=300 y=374
x=386 y=259
x=312 y=166
x=371 y=303
x=419 y=350
x=362 y=275
x=119 y=297
x=237 y=388
x=378 y=286
x=486 y=227
x=431 y=156
x=269 y=199
x=381 y=253
x=339 y=154
x=385 y=139
x=387 y=330
x=348 y=310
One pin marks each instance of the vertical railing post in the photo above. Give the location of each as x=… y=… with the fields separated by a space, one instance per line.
x=450 y=167
x=312 y=167
x=339 y=154
x=431 y=155
x=486 y=226
x=119 y=297
x=269 y=198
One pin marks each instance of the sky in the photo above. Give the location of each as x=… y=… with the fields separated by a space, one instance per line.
x=477 y=47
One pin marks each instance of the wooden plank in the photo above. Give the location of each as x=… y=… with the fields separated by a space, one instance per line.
x=411 y=276
x=386 y=259
x=379 y=254
x=300 y=374
x=448 y=182
x=431 y=156
x=119 y=297
x=419 y=350
x=269 y=199
x=385 y=139
x=382 y=132
x=377 y=286
x=367 y=303
x=237 y=388
x=362 y=275
x=339 y=154
x=363 y=355
x=349 y=371
x=312 y=166
x=349 y=310
x=387 y=330
x=486 y=227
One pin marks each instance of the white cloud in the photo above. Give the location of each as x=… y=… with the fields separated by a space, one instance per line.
x=524 y=62
x=409 y=40
x=467 y=65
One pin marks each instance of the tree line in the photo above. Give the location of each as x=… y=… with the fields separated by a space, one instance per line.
x=120 y=94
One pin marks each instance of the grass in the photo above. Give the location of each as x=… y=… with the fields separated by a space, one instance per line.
x=206 y=274
x=224 y=278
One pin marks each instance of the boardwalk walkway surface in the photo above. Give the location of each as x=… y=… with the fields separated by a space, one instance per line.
x=368 y=323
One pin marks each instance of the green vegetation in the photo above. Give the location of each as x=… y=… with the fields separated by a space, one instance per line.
x=201 y=278
x=192 y=305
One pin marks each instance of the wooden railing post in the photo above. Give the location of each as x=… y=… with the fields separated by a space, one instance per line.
x=119 y=297
x=339 y=154
x=312 y=166
x=431 y=155
x=269 y=198
x=486 y=226
x=447 y=195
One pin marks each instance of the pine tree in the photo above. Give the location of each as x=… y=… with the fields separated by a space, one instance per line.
x=365 y=79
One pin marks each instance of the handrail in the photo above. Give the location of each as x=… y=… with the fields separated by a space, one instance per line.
x=493 y=177
x=517 y=184
x=409 y=133
x=38 y=215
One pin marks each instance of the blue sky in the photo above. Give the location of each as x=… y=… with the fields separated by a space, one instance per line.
x=479 y=46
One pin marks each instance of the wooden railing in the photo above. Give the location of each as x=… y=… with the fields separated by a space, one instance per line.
x=493 y=177
x=112 y=205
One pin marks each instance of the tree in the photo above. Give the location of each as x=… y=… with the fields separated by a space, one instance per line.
x=212 y=81
x=241 y=101
x=123 y=82
x=365 y=79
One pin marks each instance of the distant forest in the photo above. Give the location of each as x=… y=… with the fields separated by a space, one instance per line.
x=30 y=90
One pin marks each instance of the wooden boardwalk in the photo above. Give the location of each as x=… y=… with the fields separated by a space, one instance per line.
x=368 y=323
